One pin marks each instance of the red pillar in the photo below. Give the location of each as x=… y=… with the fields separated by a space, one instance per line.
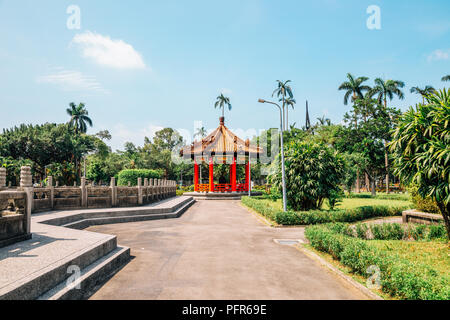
x=211 y=175
x=247 y=176
x=195 y=176
x=233 y=176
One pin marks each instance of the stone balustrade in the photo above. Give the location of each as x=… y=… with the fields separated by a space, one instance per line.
x=54 y=197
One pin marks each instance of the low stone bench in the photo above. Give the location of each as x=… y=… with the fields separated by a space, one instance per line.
x=414 y=216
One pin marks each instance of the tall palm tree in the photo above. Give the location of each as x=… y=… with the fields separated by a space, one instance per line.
x=283 y=90
x=384 y=90
x=354 y=88
x=288 y=102
x=201 y=132
x=79 y=117
x=388 y=89
x=221 y=102
x=446 y=78
x=423 y=92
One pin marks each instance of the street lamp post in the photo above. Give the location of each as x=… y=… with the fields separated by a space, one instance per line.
x=283 y=175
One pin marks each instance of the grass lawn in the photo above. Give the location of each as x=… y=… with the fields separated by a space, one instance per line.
x=351 y=203
x=432 y=253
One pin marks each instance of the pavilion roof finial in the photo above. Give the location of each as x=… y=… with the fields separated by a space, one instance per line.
x=222 y=121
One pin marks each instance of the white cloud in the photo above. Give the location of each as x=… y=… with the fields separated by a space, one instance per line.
x=439 y=54
x=69 y=80
x=108 y=52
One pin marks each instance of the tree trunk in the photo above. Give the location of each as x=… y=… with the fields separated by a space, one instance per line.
x=373 y=188
x=358 y=183
x=367 y=181
x=445 y=211
x=386 y=157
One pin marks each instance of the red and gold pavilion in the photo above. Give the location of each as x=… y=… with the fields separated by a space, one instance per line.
x=221 y=146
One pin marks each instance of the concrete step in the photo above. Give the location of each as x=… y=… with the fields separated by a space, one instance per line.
x=35 y=284
x=85 y=223
x=91 y=277
x=68 y=219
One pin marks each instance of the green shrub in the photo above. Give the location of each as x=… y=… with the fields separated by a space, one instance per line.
x=132 y=175
x=361 y=230
x=421 y=204
x=399 y=277
x=314 y=172
x=319 y=216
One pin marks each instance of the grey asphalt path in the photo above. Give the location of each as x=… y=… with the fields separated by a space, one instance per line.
x=217 y=250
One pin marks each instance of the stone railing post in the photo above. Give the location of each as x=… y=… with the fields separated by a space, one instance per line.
x=84 y=194
x=139 y=186
x=145 y=190
x=26 y=183
x=159 y=193
x=113 y=192
x=52 y=190
x=2 y=177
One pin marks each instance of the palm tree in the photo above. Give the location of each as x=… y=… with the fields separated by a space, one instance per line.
x=323 y=121
x=354 y=88
x=79 y=118
x=446 y=78
x=288 y=102
x=384 y=90
x=221 y=102
x=423 y=92
x=388 y=89
x=201 y=132
x=282 y=90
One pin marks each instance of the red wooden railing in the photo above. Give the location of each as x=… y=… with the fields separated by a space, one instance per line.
x=222 y=187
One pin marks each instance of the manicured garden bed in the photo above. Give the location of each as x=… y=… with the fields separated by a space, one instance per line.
x=408 y=269
x=272 y=210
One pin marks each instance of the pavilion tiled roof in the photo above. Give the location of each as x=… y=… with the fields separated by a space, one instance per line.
x=221 y=141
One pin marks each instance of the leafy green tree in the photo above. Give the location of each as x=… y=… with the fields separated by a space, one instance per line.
x=201 y=133
x=314 y=173
x=354 y=87
x=421 y=149
x=47 y=144
x=222 y=102
x=384 y=90
x=79 y=117
x=424 y=92
x=283 y=90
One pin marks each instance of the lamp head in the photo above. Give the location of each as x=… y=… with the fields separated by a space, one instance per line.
x=261 y=101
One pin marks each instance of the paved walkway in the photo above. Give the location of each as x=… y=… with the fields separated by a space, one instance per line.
x=217 y=250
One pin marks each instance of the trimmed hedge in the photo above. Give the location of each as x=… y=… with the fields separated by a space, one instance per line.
x=400 y=277
x=320 y=216
x=396 y=231
x=132 y=175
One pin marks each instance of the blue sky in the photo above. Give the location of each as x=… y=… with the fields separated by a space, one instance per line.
x=141 y=65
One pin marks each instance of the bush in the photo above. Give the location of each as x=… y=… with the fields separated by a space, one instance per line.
x=399 y=277
x=132 y=175
x=313 y=173
x=319 y=216
x=421 y=204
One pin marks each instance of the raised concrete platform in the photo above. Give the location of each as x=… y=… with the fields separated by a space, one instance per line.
x=220 y=196
x=40 y=268
x=414 y=216
x=81 y=219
